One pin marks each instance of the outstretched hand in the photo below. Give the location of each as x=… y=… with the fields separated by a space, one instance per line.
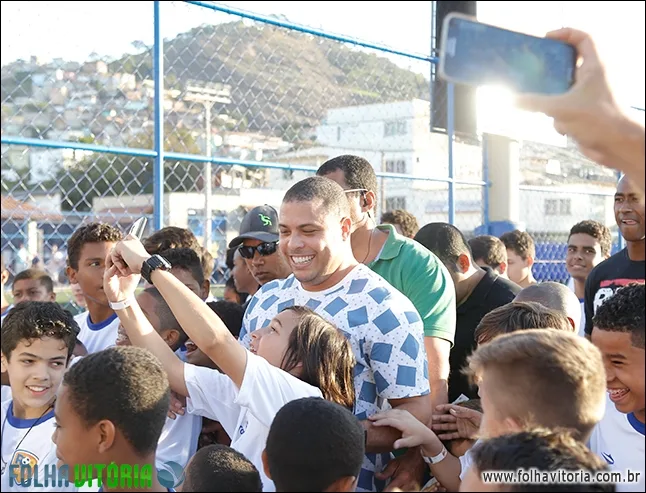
x=459 y=423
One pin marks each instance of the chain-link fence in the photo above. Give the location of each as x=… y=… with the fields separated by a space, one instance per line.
x=245 y=105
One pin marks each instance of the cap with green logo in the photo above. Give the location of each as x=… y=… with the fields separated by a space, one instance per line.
x=260 y=223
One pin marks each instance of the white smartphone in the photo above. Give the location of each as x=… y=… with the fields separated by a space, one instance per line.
x=138 y=227
x=478 y=54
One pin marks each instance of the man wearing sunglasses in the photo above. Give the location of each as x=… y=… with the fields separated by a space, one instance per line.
x=257 y=244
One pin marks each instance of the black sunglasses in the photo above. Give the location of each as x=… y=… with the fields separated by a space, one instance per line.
x=263 y=249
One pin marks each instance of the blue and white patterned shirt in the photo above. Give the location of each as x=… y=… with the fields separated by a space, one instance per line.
x=384 y=329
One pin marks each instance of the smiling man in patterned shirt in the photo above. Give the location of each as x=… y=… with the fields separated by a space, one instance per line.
x=385 y=330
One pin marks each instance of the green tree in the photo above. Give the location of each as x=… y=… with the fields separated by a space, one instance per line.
x=103 y=175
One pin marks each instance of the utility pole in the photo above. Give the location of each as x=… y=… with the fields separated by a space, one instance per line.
x=208 y=95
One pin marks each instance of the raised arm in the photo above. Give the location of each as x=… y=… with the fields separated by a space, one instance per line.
x=199 y=322
x=118 y=288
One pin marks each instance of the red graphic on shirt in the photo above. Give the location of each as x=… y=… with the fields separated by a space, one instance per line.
x=607 y=289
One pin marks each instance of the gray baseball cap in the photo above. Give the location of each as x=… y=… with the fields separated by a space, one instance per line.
x=260 y=223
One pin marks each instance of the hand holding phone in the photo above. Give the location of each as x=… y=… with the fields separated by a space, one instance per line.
x=478 y=54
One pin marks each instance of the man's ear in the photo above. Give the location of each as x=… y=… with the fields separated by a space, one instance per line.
x=346 y=227
x=5 y=276
x=265 y=464
x=502 y=268
x=368 y=201
x=106 y=435
x=572 y=323
x=206 y=289
x=52 y=296
x=463 y=263
x=170 y=336
x=530 y=261
x=71 y=275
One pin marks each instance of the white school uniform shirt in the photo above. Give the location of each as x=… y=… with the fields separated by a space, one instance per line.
x=570 y=284
x=28 y=441
x=619 y=440
x=246 y=413
x=178 y=440
x=384 y=329
x=466 y=461
x=97 y=337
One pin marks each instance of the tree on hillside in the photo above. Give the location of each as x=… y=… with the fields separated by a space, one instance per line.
x=102 y=175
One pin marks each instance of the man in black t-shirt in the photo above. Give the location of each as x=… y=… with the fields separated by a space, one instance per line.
x=478 y=291
x=627 y=266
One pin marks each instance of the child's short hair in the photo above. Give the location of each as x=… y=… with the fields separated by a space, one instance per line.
x=624 y=312
x=545 y=377
x=90 y=233
x=171 y=237
x=404 y=219
x=520 y=242
x=312 y=443
x=220 y=468
x=36 y=275
x=516 y=316
x=37 y=319
x=230 y=313
x=125 y=385
x=208 y=264
x=489 y=249
x=165 y=315
x=542 y=450
x=186 y=259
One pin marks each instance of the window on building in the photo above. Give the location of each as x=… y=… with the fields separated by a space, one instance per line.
x=558 y=207
x=393 y=203
x=396 y=127
x=396 y=166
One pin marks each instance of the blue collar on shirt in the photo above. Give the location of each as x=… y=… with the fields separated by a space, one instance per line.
x=637 y=425
x=100 y=325
x=25 y=423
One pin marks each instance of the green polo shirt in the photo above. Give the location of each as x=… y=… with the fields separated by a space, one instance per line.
x=419 y=274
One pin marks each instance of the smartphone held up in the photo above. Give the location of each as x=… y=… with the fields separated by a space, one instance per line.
x=478 y=54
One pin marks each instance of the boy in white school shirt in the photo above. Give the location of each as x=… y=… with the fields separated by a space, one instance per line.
x=179 y=437
x=37 y=343
x=618 y=331
x=86 y=250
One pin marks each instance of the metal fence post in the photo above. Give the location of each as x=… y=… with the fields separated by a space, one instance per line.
x=158 y=166
x=485 y=188
x=450 y=124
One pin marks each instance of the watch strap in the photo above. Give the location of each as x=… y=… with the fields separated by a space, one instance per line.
x=152 y=264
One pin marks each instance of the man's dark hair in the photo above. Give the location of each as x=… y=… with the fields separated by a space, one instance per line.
x=542 y=450
x=171 y=237
x=519 y=316
x=489 y=249
x=165 y=316
x=598 y=231
x=186 y=259
x=324 y=189
x=32 y=320
x=220 y=468
x=446 y=241
x=231 y=252
x=357 y=171
x=520 y=242
x=125 y=385
x=404 y=219
x=90 y=233
x=623 y=312
x=312 y=443
x=230 y=313
x=36 y=275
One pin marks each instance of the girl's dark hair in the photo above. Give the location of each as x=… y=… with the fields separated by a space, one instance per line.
x=326 y=355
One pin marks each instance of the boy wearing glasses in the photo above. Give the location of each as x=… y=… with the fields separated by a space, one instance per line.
x=258 y=245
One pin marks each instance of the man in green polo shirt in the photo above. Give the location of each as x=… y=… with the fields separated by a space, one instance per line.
x=403 y=262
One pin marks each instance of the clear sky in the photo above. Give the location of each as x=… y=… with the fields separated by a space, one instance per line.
x=73 y=30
